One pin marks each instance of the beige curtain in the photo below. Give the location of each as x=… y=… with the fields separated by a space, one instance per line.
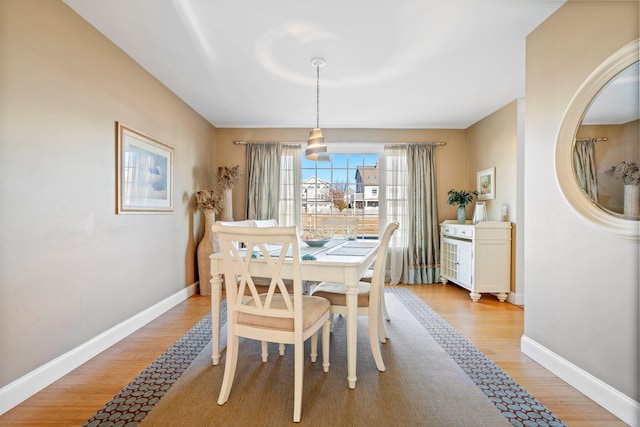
x=263 y=166
x=584 y=160
x=411 y=200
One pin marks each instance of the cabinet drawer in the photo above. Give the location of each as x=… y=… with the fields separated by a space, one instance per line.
x=464 y=232
x=449 y=230
x=461 y=231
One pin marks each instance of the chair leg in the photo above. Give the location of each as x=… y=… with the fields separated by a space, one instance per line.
x=325 y=345
x=314 y=347
x=229 y=369
x=383 y=334
x=265 y=351
x=297 y=381
x=375 y=344
x=385 y=313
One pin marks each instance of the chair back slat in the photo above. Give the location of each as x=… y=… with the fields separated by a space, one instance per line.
x=260 y=243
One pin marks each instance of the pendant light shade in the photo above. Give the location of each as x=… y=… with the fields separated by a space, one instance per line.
x=315 y=145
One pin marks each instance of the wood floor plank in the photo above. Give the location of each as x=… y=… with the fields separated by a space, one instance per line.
x=494 y=327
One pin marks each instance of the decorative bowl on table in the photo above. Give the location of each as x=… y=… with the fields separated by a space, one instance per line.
x=316 y=242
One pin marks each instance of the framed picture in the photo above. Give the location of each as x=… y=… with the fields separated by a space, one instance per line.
x=144 y=173
x=487 y=184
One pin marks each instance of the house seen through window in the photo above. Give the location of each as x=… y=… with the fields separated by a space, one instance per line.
x=346 y=185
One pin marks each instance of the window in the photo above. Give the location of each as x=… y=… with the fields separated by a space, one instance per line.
x=346 y=185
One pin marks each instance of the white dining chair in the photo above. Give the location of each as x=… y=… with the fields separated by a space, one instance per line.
x=369 y=297
x=275 y=316
x=261 y=283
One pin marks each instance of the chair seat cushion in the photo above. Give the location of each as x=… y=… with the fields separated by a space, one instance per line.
x=313 y=309
x=336 y=293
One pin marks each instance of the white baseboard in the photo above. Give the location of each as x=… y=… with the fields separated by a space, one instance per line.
x=619 y=404
x=515 y=298
x=26 y=386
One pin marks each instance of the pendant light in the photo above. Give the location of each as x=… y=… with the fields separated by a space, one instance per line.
x=316 y=139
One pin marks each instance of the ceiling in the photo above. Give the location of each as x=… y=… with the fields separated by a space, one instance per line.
x=618 y=102
x=400 y=64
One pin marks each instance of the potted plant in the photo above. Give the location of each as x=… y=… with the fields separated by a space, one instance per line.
x=461 y=198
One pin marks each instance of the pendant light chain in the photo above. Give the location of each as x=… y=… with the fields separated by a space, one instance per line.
x=318 y=95
x=315 y=146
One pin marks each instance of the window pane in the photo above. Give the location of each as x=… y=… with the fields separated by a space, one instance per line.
x=346 y=186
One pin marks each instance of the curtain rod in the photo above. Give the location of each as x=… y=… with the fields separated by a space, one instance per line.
x=603 y=138
x=265 y=142
x=438 y=144
x=298 y=145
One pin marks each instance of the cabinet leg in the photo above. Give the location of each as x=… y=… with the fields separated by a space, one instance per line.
x=475 y=296
x=502 y=296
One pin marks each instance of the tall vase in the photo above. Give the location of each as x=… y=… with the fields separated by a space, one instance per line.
x=205 y=249
x=227 y=211
x=462 y=214
x=632 y=200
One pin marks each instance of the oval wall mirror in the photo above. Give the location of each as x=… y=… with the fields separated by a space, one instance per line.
x=606 y=148
x=597 y=152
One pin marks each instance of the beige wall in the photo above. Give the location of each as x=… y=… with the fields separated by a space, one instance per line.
x=493 y=142
x=581 y=283
x=71 y=268
x=451 y=159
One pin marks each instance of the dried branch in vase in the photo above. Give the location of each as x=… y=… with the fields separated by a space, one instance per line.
x=228 y=177
x=628 y=173
x=209 y=199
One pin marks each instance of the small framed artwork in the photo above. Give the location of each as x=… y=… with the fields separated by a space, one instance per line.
x=487 y=184
x=144 y=173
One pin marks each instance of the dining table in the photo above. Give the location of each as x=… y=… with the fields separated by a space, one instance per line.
x=339 y=260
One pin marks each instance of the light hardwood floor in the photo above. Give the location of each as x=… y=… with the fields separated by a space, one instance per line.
x=494 y=328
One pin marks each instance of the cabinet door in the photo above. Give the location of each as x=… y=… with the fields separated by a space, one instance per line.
x=465 y=264
x=448 y=259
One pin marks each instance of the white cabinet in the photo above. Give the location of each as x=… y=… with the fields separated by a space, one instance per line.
x=477 y=257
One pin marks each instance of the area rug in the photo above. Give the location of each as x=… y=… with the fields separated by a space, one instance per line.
x=434 y=377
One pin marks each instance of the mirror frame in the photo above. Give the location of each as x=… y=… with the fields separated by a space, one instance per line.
x=579 y=202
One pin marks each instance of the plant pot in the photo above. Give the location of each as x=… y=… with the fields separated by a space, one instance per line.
x=632 y=200
x=205 y=249
x=227 y=211
x=462 y=214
